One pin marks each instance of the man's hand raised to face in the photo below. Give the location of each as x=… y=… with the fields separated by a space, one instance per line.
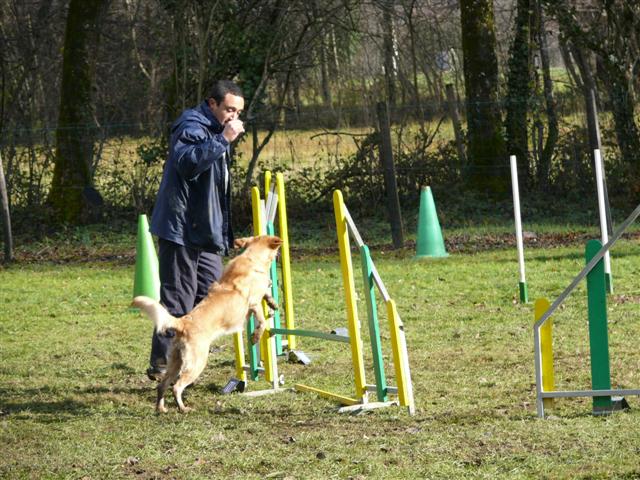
x=232 y=130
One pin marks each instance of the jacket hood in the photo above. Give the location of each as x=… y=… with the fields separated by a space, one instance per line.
x=201 y=114
x=214 y=124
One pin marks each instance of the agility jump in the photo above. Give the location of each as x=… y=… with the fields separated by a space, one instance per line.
x=404 y=389
x=264 y=213
x=263 y=216
x=598 y=335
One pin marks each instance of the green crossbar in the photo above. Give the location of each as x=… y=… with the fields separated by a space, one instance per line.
x=374 y=328
x=309 y=333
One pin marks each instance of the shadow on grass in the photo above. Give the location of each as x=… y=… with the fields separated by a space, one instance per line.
x=55 y=407
x=25 y=404
x=124 y=368
x=533 y=256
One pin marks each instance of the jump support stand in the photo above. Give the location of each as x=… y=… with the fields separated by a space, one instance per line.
x=605 y=399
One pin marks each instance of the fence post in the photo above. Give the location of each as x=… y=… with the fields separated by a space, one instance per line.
x=388 y=168
x=6 y=217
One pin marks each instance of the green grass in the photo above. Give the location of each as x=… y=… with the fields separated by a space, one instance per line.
x=75 y=403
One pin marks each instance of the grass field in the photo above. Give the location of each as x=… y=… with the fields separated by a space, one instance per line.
x=75 y=403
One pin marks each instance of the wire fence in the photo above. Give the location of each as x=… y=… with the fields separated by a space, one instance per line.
x=320 y=148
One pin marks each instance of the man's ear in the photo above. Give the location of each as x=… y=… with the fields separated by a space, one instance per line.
x=274 y=242
x=242 y=242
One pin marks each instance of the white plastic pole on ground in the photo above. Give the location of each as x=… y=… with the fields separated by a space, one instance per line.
x=524 y=296
x=603 y=217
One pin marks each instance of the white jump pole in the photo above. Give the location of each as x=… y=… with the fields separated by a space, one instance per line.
x=603 y=217
x=524 y=294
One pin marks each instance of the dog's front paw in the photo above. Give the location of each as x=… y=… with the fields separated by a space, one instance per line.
x=161 y=409
x=272 y=304
x=185 y=409
x=255 y=338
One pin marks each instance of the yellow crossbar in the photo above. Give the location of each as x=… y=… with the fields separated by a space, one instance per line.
x=332 y=396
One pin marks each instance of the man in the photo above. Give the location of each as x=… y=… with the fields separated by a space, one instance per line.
x=192 y=214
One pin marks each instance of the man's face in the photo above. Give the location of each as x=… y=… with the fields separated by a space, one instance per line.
x=228 y=109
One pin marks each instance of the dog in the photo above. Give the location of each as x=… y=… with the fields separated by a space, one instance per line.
x=245 y=282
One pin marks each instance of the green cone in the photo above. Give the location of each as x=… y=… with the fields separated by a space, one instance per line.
x=430 y=242
x=147 y=279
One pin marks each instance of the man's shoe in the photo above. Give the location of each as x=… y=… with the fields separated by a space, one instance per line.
x=156 y=373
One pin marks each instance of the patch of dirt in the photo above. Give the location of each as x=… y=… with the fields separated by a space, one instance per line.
x=69 y=253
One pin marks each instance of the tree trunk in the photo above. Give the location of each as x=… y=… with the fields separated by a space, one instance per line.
x=569 y=62
x=452 y=107
x=550 y=104
x=622 y=107
x=389 y=173
x=325 y=82
x=174 y=87
x=588 y=84
x=389 y=50
x=519 y=89
x=486 y=153
x=75 y=133
x=414 y=64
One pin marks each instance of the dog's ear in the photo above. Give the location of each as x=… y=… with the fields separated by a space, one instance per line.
x=274 y=242
x=242 y=242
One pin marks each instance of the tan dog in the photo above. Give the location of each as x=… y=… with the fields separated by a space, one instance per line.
x=244 y=283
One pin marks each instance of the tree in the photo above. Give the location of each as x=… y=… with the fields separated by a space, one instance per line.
x=486 y=146
x=519 y=88
x=546 y=152
x=389 y=49
x=72 y=179
x=610 y=29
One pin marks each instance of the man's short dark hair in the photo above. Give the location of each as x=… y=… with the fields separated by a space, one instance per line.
x=222 y=87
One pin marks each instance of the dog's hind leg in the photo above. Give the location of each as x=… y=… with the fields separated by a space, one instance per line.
x=188 y=376
x=173 y=370
x=162 y=388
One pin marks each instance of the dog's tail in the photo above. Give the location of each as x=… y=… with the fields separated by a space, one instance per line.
x=162 y=319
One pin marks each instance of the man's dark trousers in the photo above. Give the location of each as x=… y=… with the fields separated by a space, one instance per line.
x=185 y=276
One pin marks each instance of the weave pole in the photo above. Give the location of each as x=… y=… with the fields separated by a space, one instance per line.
x=604 y=233
x=522 y=285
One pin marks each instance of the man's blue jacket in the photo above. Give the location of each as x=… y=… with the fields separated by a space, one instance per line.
x=193 y=206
